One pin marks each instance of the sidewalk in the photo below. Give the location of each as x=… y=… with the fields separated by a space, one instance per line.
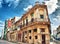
x=52 y=43
x=27 y=43
x=6 y=42
x=22 y=43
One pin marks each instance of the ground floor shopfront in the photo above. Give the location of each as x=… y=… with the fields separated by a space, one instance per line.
x=12 y=36
x=38 y=34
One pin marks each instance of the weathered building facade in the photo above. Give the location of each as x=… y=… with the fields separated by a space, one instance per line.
x=12 y=31
x=34 y=26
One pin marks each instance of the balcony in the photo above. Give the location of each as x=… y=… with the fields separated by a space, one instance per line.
x=44 y=33
x=35 y=21
x=39 y=20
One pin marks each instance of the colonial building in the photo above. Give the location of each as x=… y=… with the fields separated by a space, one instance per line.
x=12 y=31
x=33 y=26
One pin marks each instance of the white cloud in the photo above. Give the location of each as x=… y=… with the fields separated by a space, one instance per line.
x=53 y=27
x=1 y=24
x=29 y=7
x=13 y=2
x=52 y=5
x=0 y=4
x=0 y=34
x=55 y=19
x=10 y=4
x=56 y=23
x=58 y=17
x=8 y=0
x=17 y=18
x=16 y=2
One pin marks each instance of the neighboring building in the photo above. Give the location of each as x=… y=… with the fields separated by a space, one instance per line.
x=2 y=36
x=58 y=32
x=32 y=27
x=12 y=31
x=58 y=3
x=5 y=29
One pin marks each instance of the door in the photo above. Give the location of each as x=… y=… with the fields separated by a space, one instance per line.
x=43 y=39
x=23 y=37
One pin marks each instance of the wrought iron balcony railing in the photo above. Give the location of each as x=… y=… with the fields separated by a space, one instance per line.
x=34 y=20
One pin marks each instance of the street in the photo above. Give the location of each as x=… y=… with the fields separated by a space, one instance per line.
x=6 y=42
x=55 y=42
x=52 y=43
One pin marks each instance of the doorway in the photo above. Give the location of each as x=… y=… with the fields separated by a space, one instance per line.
x=43 y=39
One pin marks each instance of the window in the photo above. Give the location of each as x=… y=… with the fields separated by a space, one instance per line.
x=35 y=37
x=29 y=31
x=32 y=19
x=25 y=31
x=16 y=29
x=26 y=21
x=35 y=30
x=29 y=37
x=32 y=14
x=23 y=22
x=21 y=26
x=41 y=16
x=42 y=30
x=25 y=37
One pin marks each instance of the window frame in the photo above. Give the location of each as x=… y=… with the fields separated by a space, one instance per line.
x=30 y=37
x=29 y=31
x=35 y=30
x=36 y=37
x=32 y=14
x=42 y=16
x=42 y=29
x=26 y=21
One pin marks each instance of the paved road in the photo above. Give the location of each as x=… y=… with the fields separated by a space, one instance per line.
x=55 y=42
x=52 y=43
x=5 y=42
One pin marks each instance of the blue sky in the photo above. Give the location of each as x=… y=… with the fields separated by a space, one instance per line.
x=11 y=8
